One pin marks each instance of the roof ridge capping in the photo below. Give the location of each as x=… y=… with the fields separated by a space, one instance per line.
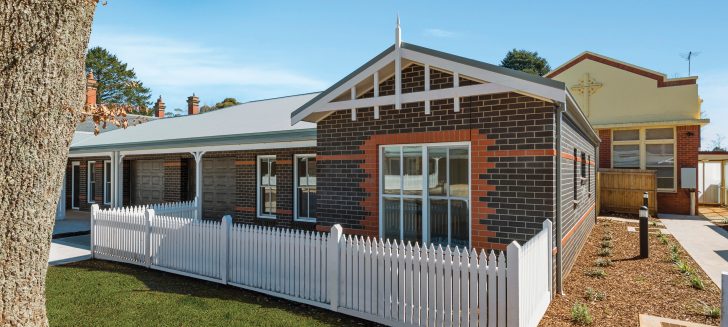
x=661 y=78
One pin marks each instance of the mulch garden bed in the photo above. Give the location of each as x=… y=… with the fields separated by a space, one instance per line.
x=632 y=285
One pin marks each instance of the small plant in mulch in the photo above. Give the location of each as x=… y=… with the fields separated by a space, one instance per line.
x=580 y=314
x=604 y=252
x=607 y=244
x=724 y=221
x=607 y=236
x=603 y=262
x=684 y=267
x=594 y=295
x=663 y=238
x=596 y=273
x=674 y=249
x=711 y=311
x=696 y=282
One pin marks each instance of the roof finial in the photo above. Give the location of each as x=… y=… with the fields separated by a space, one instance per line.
x=397 y=34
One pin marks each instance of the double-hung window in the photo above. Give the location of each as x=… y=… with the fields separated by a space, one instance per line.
x=431 y=207
x=266 y=187
x=91 y=182
x=107 y=182
x=647 y=148
x=305 y=188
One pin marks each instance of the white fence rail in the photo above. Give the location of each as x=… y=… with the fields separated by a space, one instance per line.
x=390 y=283
x=182 y=209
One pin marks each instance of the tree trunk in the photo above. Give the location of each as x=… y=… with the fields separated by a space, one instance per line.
x=42 y=47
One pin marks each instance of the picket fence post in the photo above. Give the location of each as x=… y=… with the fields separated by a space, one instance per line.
x=94 y=212
x=227 y=222
x=332 y=265
x=547 y=225
x=148 y=215
x=513 y=261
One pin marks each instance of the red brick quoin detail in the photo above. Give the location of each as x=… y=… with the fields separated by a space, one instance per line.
x=369 y=162
x=605 y=148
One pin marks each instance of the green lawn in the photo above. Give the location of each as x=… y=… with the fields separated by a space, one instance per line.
x=101 y=293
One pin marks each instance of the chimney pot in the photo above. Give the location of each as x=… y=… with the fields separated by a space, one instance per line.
x=193 y=105
x=159 y=108
x=91 y=85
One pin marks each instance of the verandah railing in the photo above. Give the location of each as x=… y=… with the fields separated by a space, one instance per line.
x=386 y=282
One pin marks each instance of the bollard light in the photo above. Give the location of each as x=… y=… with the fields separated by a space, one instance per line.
x=646 y=199
x=644 y=250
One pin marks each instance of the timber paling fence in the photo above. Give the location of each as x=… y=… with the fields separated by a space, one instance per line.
x=386 y=282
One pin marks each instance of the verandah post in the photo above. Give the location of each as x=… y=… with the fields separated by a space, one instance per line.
x=227 y=223
x=513 y=303
x=332 y=265
x=148 y=215
x=94 y=212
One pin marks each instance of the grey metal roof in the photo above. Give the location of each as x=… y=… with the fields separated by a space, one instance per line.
x=251 y=122
x=88 y=125
x=447 y=56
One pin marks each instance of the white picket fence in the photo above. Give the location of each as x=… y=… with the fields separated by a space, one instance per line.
x=387 y=282
x=182 y=209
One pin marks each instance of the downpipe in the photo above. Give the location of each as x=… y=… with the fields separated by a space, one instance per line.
x=559 y=253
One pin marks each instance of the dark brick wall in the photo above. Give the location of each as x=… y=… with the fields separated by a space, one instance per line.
x=578 y=195
x=98 y=196
x=512 y=155
x=688 y=145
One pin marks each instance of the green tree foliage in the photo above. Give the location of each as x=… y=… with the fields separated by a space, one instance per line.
x=227 y=102
x=526 y=61
x=117 y=84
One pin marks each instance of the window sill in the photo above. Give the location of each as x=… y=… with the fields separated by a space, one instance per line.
x=268 y=217
x=305 y=220
x=666 y=191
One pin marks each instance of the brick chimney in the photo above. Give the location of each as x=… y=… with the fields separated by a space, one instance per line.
x=91 y=85
x=193 y=105
x=159 y=108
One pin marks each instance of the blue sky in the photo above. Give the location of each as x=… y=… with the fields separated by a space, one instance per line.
x=261 y=49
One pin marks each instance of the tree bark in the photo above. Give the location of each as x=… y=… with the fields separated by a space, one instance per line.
x=42 y=47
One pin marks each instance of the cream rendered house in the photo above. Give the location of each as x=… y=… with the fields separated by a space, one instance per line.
x=645 y=120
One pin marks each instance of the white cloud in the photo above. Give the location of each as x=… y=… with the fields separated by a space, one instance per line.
x=168 y=63
x=439 y=33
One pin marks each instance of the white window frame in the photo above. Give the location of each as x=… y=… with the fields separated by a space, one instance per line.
x=89 y=166
x=107 y=174
x=425 y=193
x=295 y=188
x=643 y=142
x=73 y=187
x=259 y=211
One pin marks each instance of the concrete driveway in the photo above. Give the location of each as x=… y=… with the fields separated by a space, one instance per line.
x=69 y=249
x=704 y=241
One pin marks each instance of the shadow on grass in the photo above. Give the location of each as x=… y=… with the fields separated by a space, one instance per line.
x=197 y=290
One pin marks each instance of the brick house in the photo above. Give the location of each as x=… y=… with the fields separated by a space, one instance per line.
x=645 y=120
x=416 y=144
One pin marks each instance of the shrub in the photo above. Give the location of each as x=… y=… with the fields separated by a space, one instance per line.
x=603 y=262
x=594 y=295
x=598 y=273
x=606 y=244
x=604 y=252
x=711 y=311
x=696 y=282
x=580 y=314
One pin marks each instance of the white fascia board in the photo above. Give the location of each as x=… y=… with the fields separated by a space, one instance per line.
x=216 y=148
x=90 y=154
x=553 y=93
x=464 y=91
x=369 y=71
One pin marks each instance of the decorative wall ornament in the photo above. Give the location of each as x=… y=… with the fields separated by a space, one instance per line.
x=586 y=87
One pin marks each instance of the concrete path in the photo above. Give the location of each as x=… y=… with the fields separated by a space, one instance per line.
x=704 y=241
x=69 y=249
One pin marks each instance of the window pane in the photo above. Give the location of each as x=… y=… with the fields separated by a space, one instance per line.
x=272 y=171
x=659 y=134
x=301 y=165
x=459 y=172
x=311 y=202
x=412 y=220
x=626 y=156
x=626 y=135
x=437 y=166
x=391 y=219
x=460 y=225
x=264 y=172
x=107 y=168
x=661 y=159
x=302 y=203
x=412 y=170
x=312 y=171
x=438 y=221
x=392 y=177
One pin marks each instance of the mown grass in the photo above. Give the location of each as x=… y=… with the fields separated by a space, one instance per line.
x=100 y=293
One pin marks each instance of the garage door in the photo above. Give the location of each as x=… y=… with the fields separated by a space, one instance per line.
x=218 y=187
x=148 y=181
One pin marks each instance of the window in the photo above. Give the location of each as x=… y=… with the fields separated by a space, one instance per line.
x=266 y=186
x=91 y=182
x=107 y=182
x=647 y=148
x=574 y=182
x=583 y=166
x=305 y=188
x=426 y=208
x=588 y=175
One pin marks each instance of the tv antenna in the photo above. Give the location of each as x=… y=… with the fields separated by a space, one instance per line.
x=689 y=58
